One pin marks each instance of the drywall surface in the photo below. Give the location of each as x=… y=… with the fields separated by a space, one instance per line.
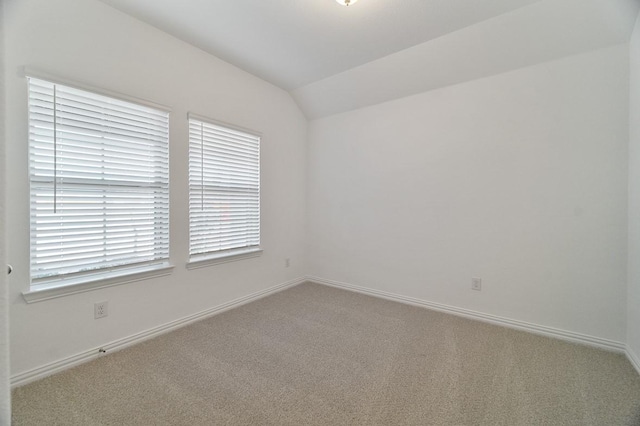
x=5 y=395
x=519 y=179
x=633 y=297
x=94 y=44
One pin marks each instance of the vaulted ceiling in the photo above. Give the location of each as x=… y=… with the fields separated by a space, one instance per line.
x=333 y=58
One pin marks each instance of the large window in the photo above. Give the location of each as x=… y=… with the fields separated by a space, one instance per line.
x=224 y=190
x=99 y=177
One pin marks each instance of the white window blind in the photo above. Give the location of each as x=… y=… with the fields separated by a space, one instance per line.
x=99 y=174
x=224 y=189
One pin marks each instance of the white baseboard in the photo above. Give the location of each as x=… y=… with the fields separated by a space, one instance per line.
x=610 y=345
x=66 y=363
x=633 y=359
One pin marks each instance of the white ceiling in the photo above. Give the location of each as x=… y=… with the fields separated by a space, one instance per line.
x=334 y=58
x=545 y=31
x=292 y=43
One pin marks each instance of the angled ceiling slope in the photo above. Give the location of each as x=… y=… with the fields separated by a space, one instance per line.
x=545 y=31
x=334 y=59
x=292 y=43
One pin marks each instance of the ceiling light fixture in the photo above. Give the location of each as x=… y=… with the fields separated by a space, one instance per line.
x=346 y=2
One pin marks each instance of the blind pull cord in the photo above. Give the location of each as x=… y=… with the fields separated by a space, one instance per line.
x=55 y=151
x=202 y=165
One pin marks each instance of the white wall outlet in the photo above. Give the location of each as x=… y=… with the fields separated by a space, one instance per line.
x=476 y=284
x=287 y=262
x=100 y=309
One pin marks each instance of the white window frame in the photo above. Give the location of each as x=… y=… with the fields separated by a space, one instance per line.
x=45 y=287
x=199 y=256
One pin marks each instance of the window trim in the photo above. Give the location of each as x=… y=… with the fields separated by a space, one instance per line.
x=193 y=116
x=225 y=257
x=45 y=289
x=65 y=287
x=204 y=260
x=28 y=72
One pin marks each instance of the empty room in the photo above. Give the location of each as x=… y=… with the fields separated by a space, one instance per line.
x=320 y=212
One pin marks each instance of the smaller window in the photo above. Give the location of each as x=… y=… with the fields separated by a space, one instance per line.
x=224 y=190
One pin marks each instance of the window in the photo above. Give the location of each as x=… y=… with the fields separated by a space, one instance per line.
x=99 y=178
x=224 y=191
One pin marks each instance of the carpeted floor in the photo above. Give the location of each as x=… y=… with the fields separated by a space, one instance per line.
x=315 y=355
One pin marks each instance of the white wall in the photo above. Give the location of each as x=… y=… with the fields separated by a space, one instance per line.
x=91 y=43
x=5 y=406
x=519 y=179
x=633 y=297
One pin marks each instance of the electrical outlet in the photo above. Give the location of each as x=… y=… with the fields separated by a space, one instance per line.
x=100 y=309
x=287 y=262
x=476 y=284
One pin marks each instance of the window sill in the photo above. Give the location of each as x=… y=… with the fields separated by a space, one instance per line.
x=232 y=256
x=60 y=288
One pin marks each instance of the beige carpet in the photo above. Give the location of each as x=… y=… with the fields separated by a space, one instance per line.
x=315 y=355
